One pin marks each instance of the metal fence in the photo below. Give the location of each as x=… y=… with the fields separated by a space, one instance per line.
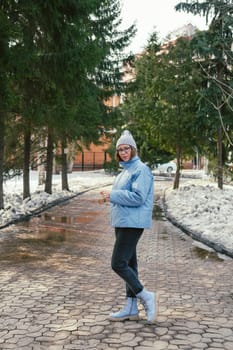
x=89 y=160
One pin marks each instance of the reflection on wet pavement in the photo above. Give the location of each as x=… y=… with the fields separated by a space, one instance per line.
x=54 y=233
x=205 y=253
x=158 y=212
x=68 y=219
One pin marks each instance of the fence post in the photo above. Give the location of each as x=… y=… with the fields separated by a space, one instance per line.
x=82 y=161
x=93 y=160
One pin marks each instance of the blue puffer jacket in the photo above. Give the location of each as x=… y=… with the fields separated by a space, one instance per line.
x=132 y=196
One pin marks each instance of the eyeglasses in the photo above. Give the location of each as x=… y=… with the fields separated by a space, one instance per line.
x=125 y=149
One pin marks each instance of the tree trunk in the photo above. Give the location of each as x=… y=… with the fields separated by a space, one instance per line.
x=220 y=155
x=41 y=164
x=64 y=175
x=178 y=167
x=2 y=128
x=49 y=162
x=26 y=163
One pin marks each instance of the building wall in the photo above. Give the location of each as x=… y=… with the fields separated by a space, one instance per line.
x=92 y=158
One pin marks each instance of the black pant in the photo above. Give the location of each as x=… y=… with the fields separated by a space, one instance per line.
x=124 y=258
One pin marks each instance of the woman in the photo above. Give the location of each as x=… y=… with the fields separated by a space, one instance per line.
x=131 y=201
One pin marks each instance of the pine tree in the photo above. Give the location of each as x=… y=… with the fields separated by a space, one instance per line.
x=6 y=30
x=213 y=51
x=68 y=61
x=164 y=103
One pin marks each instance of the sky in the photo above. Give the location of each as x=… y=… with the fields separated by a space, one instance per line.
x=155 y=15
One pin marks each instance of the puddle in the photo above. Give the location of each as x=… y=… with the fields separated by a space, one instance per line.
x=53 y=234
x=158 y=213
x=70 y=219
x=20 y=257
x=205 y=253
x=61 y=219
x=30 y=246
x=163 y=235
x=46 y=238
x=164 y=238
x=36 y=243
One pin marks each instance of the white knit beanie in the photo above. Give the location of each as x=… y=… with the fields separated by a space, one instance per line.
x=126 y=139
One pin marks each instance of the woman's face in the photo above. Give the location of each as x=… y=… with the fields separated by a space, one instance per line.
x=124 y=152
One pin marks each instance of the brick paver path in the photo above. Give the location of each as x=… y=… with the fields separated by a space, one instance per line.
x=57 y=288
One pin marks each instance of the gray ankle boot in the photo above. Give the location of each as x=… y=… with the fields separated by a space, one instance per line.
x=129 y=311
x=148 y=300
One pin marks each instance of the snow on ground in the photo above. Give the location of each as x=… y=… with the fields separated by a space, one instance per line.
x=15 y=207
x=198 y=206
x=205 y=210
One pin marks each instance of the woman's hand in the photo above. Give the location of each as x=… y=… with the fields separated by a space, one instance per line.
x=105 y=197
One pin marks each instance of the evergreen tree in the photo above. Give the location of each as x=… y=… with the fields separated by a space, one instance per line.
x=6 y=31
x=139 y=107
x=213 y=52
x=164 y=104
x=68 y=62
x=85 y=67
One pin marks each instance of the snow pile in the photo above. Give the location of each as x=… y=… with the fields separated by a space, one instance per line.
x=15 y=207
x=205 y=210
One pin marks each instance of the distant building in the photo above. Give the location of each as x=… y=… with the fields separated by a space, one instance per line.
x=186 y=31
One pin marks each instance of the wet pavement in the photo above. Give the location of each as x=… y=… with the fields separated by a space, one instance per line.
x=57 y=288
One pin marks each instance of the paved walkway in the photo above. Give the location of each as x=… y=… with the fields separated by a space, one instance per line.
x=57 y=288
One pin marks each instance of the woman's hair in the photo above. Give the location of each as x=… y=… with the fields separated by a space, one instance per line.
x=133 y=154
